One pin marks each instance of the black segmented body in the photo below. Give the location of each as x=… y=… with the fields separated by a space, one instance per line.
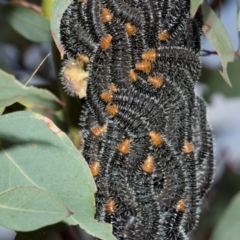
x=160 y=200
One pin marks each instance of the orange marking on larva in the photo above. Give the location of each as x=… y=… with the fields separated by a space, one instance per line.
x=148 y=165
x=82 y=58
x=112 y=109
x=133 y=76
x=83 y=1
x=181 y=206
x=106 y=15
x=156 y=138
x=99 y=130
x=150 y=55
x=110 y=207
x=106 y=42
x=155 y=81
x=95 y=168
x=130 y=29
x=124 y=147
x=107 y=96
x=113 y=87
x=164 y=35
x=144 y=66
x=187 y=147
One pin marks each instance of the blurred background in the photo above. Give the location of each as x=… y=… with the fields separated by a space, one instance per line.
x=21 y=57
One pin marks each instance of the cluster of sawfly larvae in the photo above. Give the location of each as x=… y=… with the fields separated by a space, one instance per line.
x=145 y=134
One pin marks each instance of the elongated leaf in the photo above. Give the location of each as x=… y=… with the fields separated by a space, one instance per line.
x=28 y=23
x=218 y=37
x=34 y=152
x=27 y=208
x=194 y=7
x=57 y=11
x=228 y=225
x=12 y=91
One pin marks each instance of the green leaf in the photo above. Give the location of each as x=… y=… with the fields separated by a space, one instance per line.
x=2 y=110
x=57 y=11
x=28 y=208
x=218 y=37
x=12 y=91
x=28 y=23
x=228 y=225
x=215 y=84
x=47 y=8
x=194 y=7
x=34 y=152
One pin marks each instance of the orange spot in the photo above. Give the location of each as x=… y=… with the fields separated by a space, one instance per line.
x=155 y=81
x=113 y=87
x=164 y=35
x=130 y=29
x=181 y=206
x=133 y=76
x=124 y=147
x=107 y=96
x=150 y=55
x=106 y=42
x=110 y=207
x=148 y=165
x=187 y=147
x=144 y=66
x=95 y=168
x=112 y=109
x=83 y=1
x=106 y=15
x=155 y=138
x=82 y=58
x=99 y=130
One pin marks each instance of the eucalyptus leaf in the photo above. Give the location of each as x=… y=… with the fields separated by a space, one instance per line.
x=12 y=91
x=215 y=84
x=228 y=224
x=218 y=37
x=2 y=110
x=194 y=7
x=28 y=208
x=34 y=152
x=28 y=23
x=58 y=9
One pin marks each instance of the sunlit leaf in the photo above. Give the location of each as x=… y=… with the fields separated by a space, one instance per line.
x=28 y=208
x=34 y=152
x=28 y=23
x=218 y=37
x=228 y=224
x=47 y=8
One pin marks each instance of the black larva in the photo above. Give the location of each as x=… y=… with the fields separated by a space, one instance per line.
x=155 y=151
